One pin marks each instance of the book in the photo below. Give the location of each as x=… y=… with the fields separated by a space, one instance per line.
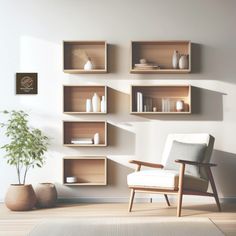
x=82 y=141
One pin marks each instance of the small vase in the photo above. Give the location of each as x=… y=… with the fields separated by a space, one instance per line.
x=96 y=139
x=96 y=101
x=103 y=104
x=183 y=62
x=175 y=59
x=46 y=195
x=88 y=65
x=179 y=105
x=88 y=105
x=20 y=197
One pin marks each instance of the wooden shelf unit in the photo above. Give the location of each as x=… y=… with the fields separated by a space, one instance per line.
x=74 y=98
x=160 y=53
x=89 y=170
x=73 y=62
x=157 y=93
x=84 y=129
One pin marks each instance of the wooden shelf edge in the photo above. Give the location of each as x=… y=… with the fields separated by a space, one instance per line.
x=160 y=71
x=85 y=184
x=80 y=71
x=83 y=145
x=83 y=113
x=160 y=113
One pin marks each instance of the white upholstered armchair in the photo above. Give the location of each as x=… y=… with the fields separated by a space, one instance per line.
x=185 y=170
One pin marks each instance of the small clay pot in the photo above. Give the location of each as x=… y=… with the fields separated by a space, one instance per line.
x=46 y=195
x=20 y=197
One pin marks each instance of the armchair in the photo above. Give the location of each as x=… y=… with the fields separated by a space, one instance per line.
x=185 y=170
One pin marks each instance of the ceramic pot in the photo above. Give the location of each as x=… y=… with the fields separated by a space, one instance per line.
x=88 y=65
x=96 y=101
x=20 y=197
x=179 y=105
x=96 y=138
x=175 y=59
x=103 y=104
x=88 y=105
x=46 y=195
x=183 y=62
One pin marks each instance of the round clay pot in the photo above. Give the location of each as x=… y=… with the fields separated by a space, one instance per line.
x=46 y=195
x=20 y=197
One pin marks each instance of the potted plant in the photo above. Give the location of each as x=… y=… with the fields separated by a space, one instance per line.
x=24 y=151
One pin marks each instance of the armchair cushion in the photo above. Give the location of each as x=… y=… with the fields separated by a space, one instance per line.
x=186 y=151
x=165 y=179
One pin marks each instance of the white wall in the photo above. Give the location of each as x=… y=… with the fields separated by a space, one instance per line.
x=31 y=36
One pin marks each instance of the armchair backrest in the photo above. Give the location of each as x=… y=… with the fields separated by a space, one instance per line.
x=195 y=138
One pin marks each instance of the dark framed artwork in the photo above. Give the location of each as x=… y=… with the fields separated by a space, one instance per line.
x=26 y=83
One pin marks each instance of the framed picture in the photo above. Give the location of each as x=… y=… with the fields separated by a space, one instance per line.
x=26 y=83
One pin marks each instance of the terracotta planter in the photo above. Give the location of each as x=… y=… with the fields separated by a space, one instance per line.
x=46 y=195
x=20 y=197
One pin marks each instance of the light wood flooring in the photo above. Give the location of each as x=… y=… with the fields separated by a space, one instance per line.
x=20 y=223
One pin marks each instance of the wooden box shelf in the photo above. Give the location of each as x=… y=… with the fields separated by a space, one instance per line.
x=160 y=53
x=88 y=170
x=74 y=101
x=154 y=95
x=84 y=130
x=73 y=56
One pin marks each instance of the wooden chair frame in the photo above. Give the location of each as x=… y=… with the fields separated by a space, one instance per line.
x=180 y=191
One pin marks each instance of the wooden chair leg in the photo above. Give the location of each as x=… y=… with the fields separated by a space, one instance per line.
x=132 y=193
x=180 y=192
x=213 y=186
x=167 y=200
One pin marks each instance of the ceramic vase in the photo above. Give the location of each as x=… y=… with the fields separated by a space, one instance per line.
x=96 y=101
x=88 y=65
x=183 y=62
x=88 y=105
x=103 y=104
x=175 y=59
x=20 y=197
x=96 y=139
x=179 y=105
x=46 y=195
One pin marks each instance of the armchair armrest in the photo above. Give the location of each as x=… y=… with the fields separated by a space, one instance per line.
x=196 y=163
x=148 y=164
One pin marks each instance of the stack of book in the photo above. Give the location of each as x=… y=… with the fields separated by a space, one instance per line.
x=146 y=66
x=82 y=141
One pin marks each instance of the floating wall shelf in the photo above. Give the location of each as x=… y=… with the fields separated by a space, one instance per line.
x=88 y=170
x=74 y=130
x=156 y=95
x=74 y=56
x=158 y=53
x=74 y=99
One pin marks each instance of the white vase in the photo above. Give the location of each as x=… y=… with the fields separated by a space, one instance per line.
x=88 y=65
x=96 y=101
x=175 y=59
x=103 y=104
x=88 y=105
x=183 y=62
x=96 y=139
x=179 y=105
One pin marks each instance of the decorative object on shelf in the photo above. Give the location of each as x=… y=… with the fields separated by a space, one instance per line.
x=26 y=83
x=166 y=105
x=148 y=104
x=183 y=62
x=88 y=65
x=139 y=102
x=146 y=65
x=71 y=179
x=46 y=195
x=179 y=105
x=20 y=197
x=154 y=109
x=143 y=61
x=96 y=139
x=103 y=104
x=96 y=101
x=175 y=59
x=88 y=105
x=82 y=141
x=24 y=151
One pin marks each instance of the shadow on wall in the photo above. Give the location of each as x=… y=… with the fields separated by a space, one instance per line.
x=116 y=184
x=224 y=173
x=207 y=105
x=196 y=58
x=112 y=52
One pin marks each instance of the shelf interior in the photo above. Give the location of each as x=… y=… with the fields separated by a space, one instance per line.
x=75 y=97
x=87 y=171
x=74 y=55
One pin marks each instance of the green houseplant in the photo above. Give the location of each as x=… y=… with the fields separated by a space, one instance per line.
x=24 y=151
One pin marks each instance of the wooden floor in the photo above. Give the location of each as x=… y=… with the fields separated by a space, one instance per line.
x=20 y=223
